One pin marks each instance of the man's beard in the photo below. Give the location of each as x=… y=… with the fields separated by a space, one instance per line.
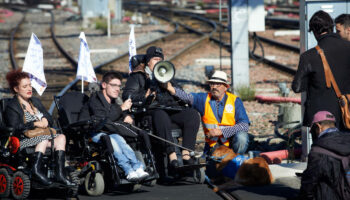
x=216 y=95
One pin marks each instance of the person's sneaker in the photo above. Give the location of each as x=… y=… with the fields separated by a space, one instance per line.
x=141 y=173
x=132 y=176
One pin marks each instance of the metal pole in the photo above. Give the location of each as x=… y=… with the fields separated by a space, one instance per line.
x=108 y=21
x=232 y=49
x=220 y=20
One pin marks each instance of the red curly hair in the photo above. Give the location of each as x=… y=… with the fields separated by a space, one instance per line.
x=14 y=77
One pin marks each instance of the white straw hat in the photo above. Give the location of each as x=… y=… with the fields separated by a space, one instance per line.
x=219 y=77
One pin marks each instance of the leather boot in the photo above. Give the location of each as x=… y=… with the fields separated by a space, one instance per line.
x=36 y=169
x=60 y=173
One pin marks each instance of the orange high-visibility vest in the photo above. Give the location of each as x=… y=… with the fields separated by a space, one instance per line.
x=210 y=122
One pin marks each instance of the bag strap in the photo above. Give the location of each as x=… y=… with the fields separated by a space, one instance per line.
x=344 y=159
x=328 y=72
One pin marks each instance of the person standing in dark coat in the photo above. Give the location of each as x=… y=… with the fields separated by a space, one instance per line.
x=140 y=85
x=324 y=174
x=310 y=76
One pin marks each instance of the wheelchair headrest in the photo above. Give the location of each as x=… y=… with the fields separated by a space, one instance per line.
x=70 y=106
x=3 y=104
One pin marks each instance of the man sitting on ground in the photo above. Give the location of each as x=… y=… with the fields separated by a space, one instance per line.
x=225 y=120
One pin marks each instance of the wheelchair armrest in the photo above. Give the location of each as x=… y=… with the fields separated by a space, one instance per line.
x=6 y=130
x=79 y=124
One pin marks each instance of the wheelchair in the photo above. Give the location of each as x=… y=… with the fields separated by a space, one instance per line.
x=98 y=169
x=168 y=175
x=15 y=166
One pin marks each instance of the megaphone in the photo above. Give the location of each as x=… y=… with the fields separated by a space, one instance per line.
x=164 y=71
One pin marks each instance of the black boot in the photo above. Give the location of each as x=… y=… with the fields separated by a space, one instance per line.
x=36 y=169
x=60 y=173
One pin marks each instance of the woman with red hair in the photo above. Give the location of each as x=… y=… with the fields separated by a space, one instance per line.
x=25 y=112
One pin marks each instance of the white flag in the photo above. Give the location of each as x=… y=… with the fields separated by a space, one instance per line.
x=132 y=46
x=85 y=70
x=34 y=65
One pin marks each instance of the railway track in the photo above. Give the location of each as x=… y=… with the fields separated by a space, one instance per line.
x=42 y=24
x=174 y=45
x=184 y=38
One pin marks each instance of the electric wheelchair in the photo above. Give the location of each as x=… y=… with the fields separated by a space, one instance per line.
x=98 y=169
x=167 y=174
x=15 y=166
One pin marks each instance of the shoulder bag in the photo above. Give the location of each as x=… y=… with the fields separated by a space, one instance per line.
x=343 y=99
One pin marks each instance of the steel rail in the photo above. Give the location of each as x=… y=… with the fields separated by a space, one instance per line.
x=58 y=45
x=280 y=44
x=11 y=43
x=276 y=65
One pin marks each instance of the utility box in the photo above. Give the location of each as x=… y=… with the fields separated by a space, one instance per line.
x=94 y=8
x=98 y=8
x=307 y=41
x=307 y=8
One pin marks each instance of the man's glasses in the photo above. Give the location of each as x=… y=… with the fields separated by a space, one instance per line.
x=114 y=85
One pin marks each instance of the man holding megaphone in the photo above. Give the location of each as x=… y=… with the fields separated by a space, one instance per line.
x=144 y=84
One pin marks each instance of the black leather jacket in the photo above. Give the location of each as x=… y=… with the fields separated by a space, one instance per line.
x=137 y=85
x=14 y=115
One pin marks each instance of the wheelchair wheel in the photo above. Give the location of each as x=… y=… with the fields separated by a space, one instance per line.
x=20 y=186
x=98 y=185
x=199 y=175
x=5 y=183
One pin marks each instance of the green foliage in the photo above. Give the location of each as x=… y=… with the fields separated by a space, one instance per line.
x=101 y=24
x=246 y=93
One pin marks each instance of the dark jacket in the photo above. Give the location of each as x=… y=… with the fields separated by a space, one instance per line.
x=98 y=108
x=14 y=115
x=102 y=113
x=322 y=178
x=310 y=77
x=137 y=85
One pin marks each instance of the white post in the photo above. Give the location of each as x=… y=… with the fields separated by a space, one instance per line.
x=109 y=23
x=239 y=44
x=82 y=86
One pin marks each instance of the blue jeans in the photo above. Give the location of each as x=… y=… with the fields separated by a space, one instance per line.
x=239 y=143
x=122 y=152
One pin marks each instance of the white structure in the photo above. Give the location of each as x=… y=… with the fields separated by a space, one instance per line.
x=245 y=15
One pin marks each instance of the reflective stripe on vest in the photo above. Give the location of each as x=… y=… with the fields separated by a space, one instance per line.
x=210 y=122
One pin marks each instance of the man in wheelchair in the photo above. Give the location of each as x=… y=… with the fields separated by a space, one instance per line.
x=102 y=105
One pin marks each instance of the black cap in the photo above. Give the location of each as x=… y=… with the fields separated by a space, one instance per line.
x=136 y=60
x=154 y=51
